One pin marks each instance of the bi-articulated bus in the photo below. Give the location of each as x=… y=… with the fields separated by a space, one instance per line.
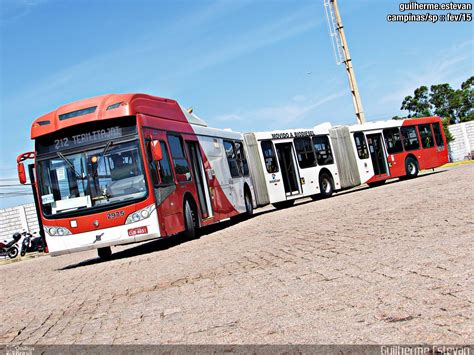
x=290 y=164
x=118 y=169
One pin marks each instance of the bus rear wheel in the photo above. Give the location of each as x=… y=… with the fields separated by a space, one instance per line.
x=248 y=205
x=326 y=185
x=189 y=222
x=411 y=167
x=104 y=253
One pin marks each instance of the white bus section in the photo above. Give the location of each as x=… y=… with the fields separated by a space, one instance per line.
x=288 y=164
x=139 y=231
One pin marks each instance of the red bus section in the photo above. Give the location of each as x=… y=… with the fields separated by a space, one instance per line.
x=117 y=169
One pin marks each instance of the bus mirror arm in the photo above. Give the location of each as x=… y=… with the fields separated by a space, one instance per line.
x=156 y=152
x=21 y=166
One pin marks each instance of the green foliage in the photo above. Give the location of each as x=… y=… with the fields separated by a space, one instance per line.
x=442 y=100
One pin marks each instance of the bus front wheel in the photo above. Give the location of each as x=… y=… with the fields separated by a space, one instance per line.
x=411 y=167
x=189 y=222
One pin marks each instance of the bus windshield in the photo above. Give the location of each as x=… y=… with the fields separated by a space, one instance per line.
x=102 y=176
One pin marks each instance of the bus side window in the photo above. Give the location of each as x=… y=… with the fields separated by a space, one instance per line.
x=165 y=166
x=427 y=140
x=438 y=135
x=231 y=159
x=323 y=150
x=305 y=153
x=361 y=145
x=181 y=166
x=393 y=140
x=409 y=137
x=241 y=159
x=269 y=157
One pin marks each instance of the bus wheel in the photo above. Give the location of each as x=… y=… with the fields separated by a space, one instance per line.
x=376 y=183
x=248 y=205
x=411 y=167
x=326 y=185
x=104 y=253
x=284 y=204
x=189 y=222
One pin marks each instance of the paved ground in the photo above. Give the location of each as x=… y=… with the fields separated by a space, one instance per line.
x=392 y=264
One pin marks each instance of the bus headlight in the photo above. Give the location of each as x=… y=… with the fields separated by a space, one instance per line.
x=56 y=231
x=140 y=215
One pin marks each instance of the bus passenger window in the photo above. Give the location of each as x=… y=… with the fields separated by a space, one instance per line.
x=241 y=159
x=269 y=157
x=180 y=162
x=361 y=145
x=427 y=140
x=165 y=167
x=231 y=159
x=305 y=153
x=393 y=140
x=323 y=150
x=438 y=135
x=410 y=139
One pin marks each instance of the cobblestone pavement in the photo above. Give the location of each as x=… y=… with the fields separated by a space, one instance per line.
x=392 y=264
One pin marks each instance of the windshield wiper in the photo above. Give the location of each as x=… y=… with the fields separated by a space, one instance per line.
x=68 y=162
x=107 y=146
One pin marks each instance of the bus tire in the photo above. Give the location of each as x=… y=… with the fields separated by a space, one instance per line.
x=248 y=204
x=326 y=185
x=104 y=253
x=376 y=183
x=411 y=167
x=189 y=221
x=283 y=204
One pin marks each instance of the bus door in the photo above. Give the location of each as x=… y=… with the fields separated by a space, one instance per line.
x=288 y=168
x=377 y=154
x=200 y=178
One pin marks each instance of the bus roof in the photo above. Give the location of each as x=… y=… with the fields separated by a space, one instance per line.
x=110 y=106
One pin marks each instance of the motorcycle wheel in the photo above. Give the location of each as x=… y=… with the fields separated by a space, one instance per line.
x=12 y=253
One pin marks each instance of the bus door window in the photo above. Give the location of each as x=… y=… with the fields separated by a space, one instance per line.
x=241 y=159
x=181 y=166
x=269 y=157
x=361 y=145
x=231 y=159
x=438 y=135
x=426 y=136
x=304 y=152
x=323 y=150
x=288 y=168
x=409 y=138
x=377 y=153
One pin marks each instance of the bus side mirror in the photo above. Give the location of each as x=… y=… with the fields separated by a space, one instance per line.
x=21 y=173
x=156 y=152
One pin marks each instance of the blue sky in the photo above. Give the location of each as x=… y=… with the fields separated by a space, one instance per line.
x=245 y=65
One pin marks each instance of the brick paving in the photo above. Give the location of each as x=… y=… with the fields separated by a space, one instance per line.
x=393 y=264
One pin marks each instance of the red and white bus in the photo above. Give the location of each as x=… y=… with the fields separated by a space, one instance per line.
x=398 y=148
x=118 y=169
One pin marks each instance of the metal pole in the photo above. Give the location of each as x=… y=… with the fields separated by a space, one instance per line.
x=350 y=70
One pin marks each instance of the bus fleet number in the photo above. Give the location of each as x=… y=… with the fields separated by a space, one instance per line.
x=61 y=143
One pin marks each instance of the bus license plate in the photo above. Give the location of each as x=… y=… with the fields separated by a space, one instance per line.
x=139 y=230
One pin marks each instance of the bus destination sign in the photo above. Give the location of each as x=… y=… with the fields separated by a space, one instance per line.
x=88 y=138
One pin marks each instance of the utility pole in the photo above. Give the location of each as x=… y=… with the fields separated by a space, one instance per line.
x=341 y=52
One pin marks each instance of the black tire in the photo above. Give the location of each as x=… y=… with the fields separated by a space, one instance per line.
x=23 y=252
x=284 y=204
x=376 y=183
x=411 y=168
x=326 y=185
x=248 y=205
x=104 y=253
x=189 y=221
x=12 y=252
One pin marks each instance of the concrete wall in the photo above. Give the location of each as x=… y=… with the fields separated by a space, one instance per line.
x=463 y=143
x=16 y=219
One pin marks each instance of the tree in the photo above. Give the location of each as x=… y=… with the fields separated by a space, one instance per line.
x=417 y=105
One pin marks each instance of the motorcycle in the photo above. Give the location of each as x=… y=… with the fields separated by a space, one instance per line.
x=31 y=243
x=9 y=247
